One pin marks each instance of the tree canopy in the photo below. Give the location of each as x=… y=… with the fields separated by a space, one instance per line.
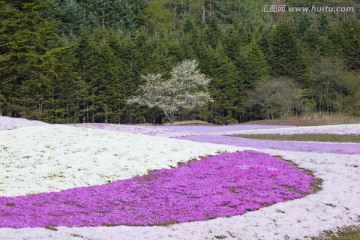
x=185 y=89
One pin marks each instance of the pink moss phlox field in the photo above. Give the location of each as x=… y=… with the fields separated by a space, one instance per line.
x=148 y=130
x=8 y=123
x=343 y=148
x=224 y=128
x=174 y=131
x=220 y=186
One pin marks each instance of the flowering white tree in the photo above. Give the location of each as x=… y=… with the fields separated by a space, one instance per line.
x=186 y=89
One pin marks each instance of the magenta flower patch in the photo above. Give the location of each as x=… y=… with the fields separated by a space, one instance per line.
x=219 y=186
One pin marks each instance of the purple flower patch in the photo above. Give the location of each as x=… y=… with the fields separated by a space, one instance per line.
x=321 y=147
x=220 y=186
x=174 y=131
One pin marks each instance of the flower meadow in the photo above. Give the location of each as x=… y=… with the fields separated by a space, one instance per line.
x=52 y=158
x=344 y=129
x=175 y=131
x=214 y=134
x=219 y=186
x=320 y=147
x=178 y=131
x=148 y=130
x=107 y=181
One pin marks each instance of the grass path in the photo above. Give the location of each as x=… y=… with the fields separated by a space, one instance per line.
x=346 y=233
x=353 y=138
x=344 y=148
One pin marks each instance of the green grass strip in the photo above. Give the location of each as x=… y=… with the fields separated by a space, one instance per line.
x=304 y=137
x=346 y=233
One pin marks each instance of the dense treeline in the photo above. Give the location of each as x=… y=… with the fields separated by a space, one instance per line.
x=80 y=60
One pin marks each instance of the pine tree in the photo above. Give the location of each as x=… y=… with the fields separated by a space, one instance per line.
x=69 y=90
x=28 y=53
x=254 y=66
x=226 y=87
x=233 y=42
x=85 y=53
x=72 y=18
x=156 y=16
x=213 y=33
x=265 y=43
x=288 y=60
x=351 y=44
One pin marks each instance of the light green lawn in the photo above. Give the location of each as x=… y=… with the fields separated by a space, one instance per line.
x=304 y=137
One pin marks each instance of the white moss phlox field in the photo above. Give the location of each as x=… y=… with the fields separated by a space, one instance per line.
x=54 y=157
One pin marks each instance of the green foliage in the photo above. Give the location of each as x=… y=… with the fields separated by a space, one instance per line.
x=226 y=87
x=213 y=34
x=28 y=51
x=288 y=60
x=76 y=15
x=275 y=98
x=72 y=18
x=351 y=101
x=254 y=64
x=351 y=43
x=329 y=85
x=156 y=16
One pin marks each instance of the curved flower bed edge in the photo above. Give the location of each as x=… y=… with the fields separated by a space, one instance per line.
x=223 y=185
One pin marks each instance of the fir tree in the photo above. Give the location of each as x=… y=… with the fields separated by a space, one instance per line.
x=254 y=66
x=351 y=44
x=288 y=60
x=28 y=52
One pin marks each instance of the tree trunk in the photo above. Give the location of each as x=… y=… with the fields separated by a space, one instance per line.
x=169 y=116
x=203 y=13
